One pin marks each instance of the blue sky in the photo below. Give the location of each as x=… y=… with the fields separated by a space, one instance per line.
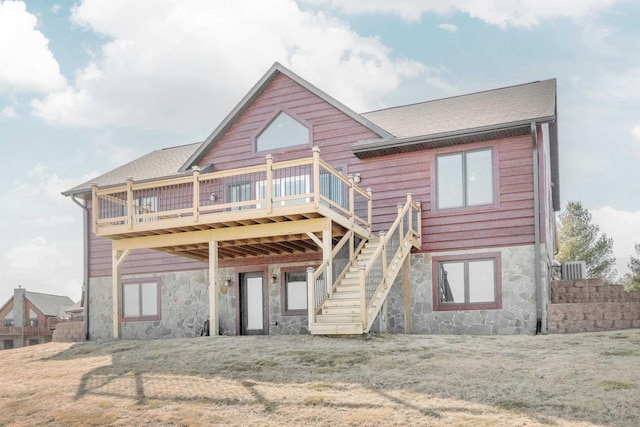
x=86 y=86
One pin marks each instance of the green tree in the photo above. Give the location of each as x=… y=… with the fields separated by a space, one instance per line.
x=579 y=240
x=631 y=281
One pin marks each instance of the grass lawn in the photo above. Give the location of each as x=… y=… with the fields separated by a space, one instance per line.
x=575 y=380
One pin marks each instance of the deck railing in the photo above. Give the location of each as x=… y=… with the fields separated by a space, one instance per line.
x=200 y=196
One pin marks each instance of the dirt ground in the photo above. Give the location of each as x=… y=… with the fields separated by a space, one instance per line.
x=574 y=380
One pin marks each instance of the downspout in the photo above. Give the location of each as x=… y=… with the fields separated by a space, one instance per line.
x=85 y=285
x=536 y=233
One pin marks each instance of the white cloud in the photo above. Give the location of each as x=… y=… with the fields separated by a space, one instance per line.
x=164 y=57
x=494 y=12
x=9 y=112
x=27 y=63
x=624 y=228
x=448 y=27
x=40 y=266
x=55 y=8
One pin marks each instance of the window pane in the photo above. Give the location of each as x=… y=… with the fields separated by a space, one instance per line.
x=131 y=300
x=149 y=299
x=479 y=178
x=296 y=284
x=284 y=131
x=254 y=303
x=449 y=181
x=481 y=281
x=452 y=282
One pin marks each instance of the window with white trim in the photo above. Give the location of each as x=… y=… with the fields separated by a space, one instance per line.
x=141 y=300
x=283 y=131
x=467 y=282
x=464 y=179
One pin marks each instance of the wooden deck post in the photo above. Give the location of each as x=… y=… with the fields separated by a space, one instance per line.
x=310 y=297
x=370 y=207
x=326 y=256
x=117 y=259
x=363 y=295
x=130 y=202
x=213 y=288
x=352 y=203
x=383 y=256
x=196 y=194
x=95 y=208
x=406 y=293
x=268 y=191
x=316 y=176
x=401 y=224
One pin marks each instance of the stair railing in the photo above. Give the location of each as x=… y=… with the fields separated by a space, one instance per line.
x=319 y=286
x=394 y=245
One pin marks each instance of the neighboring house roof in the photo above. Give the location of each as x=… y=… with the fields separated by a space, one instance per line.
x=157 y=164
x=257 y=90
x=49 y=305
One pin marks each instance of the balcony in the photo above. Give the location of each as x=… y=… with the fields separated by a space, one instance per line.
x=275 y=199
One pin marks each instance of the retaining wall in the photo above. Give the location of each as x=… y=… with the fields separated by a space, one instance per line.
x=69 y=331
x=590 y=305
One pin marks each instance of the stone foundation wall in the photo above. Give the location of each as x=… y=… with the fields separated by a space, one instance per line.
x=590 y=305
x=185 y=306
x=185 y=303
x=517 y=315
x=69 y=331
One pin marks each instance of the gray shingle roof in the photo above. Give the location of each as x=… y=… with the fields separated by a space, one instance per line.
x=50 y=305
x=157 y=164
x=513 y=104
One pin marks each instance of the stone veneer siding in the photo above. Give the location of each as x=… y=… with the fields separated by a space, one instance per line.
x=185 y=306
x=517 y=315
x=185 y=303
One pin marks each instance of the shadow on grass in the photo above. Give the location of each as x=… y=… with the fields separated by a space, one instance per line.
x=319 y=370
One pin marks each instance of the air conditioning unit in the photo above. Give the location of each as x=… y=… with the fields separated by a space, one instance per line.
x=574 y=270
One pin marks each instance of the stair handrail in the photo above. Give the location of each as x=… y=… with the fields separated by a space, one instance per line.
x=413 y=232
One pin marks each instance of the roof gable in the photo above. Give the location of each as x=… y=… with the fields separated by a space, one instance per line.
x=255 y=92
x=49 y=305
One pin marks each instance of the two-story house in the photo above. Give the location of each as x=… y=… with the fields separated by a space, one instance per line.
x=299 y=215
x=29 y=318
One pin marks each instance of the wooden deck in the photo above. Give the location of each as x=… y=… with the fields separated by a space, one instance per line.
x=271 y=209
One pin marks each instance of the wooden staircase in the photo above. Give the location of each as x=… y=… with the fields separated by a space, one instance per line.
x=357 y=298
x=341 y=314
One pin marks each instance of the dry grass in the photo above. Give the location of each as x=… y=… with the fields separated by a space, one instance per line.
x=575 y=380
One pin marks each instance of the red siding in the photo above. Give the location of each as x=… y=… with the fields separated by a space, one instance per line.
x=508 y=222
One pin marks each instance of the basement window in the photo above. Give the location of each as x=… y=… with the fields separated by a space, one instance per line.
x=141 y=300
x=467 y=282
x=294 y=292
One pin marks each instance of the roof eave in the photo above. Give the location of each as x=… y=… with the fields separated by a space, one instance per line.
x=414 y=143
x=256 y=91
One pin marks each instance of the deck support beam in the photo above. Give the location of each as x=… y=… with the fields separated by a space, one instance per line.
x=213 y=288
x=118 y=257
